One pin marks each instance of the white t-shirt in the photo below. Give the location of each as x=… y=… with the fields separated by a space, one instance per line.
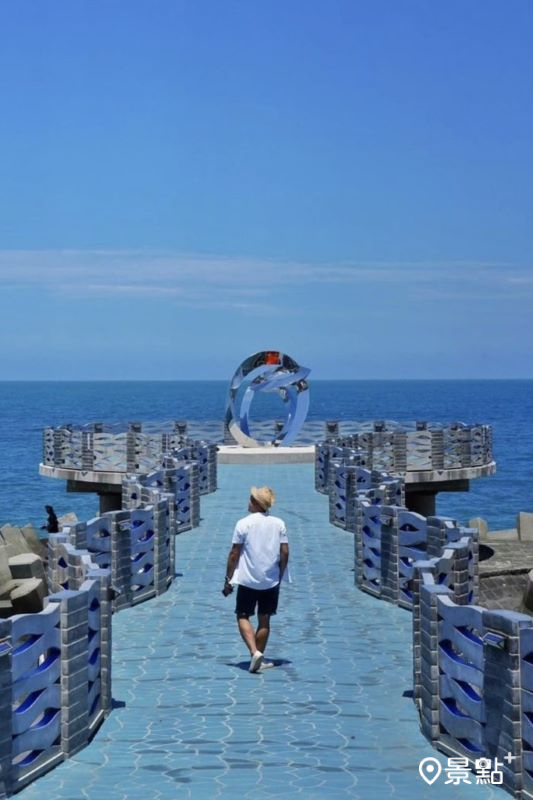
x=260 y=536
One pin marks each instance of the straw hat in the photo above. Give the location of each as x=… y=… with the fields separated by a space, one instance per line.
x=263 y=496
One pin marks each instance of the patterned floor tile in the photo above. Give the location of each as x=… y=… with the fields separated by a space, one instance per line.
x=332 y=720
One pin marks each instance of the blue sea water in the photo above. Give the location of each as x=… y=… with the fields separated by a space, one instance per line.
x=27 y=407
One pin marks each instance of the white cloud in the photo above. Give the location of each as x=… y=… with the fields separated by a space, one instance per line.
x=520 y=280
x=243 y=284
x=142 y=289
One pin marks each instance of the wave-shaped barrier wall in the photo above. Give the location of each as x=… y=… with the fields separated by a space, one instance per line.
x=55 y=666
x=388 y=538
x=472 y=667
x=55 y=678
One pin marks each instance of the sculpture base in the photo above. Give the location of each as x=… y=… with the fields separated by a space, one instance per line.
x=234 y=454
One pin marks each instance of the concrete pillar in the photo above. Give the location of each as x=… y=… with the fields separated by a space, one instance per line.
x=105 y=638
x=331 y=427
x=74 y=613
x=110 y=501
x=418 y=569
x=507 y=636
x=180 y=427
x=121 y=552
x=390 y=556
x=57 y=574
x=428 y=688
x=163 y=567
x=423 y=503
x=133 y=446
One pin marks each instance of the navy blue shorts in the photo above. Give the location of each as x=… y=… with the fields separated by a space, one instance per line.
x=266 y=601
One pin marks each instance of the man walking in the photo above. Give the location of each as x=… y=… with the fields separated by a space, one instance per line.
x=257 y=562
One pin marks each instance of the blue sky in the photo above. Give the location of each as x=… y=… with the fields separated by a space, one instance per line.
x=183 y=183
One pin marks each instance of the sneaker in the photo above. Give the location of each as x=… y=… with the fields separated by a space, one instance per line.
x=266 y=665
x=257 y=660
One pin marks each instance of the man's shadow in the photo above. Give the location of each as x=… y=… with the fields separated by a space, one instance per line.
x=244 y=665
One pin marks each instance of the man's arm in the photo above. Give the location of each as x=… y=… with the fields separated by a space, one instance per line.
x=233 y=560
x=283 y=558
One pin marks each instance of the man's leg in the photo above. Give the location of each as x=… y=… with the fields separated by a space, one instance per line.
x=248 y=635
x=263 y=629
x=244 y=609
x=267 y=605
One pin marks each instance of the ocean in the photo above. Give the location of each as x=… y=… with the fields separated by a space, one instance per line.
x=27 y=407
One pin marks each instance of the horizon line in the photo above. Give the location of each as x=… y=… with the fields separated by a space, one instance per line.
x=226 y=380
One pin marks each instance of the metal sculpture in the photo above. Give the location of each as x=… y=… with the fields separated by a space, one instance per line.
x=268 y=371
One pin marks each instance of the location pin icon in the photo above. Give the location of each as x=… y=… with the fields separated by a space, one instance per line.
x=430 y=769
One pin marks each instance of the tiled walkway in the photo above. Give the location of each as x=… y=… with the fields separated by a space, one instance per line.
x=334 y=720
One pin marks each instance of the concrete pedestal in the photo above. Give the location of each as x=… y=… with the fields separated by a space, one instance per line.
x=110 y=501
x=422 y=497
x=109 y=494
x=235 y=454
x=420 y=503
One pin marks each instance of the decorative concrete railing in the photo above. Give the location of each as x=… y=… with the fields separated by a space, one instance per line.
x=55 y=666
x=406 y=538
x=55 y=679
x=347 y=481
x=133 y=545
x=388 y=538
x=111 y=448
x=136 y=544
x=385 y=444
x=450 y=569
x=410 y=447
x=139 y=449
x=178 y=480
x=472 y=667
x=203 y=456
x=473 y=681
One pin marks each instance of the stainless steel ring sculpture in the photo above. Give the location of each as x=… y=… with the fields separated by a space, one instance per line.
x=268 y=371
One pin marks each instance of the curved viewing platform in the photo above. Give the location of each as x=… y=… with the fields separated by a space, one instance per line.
x=420 y=448
x=431 y=457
